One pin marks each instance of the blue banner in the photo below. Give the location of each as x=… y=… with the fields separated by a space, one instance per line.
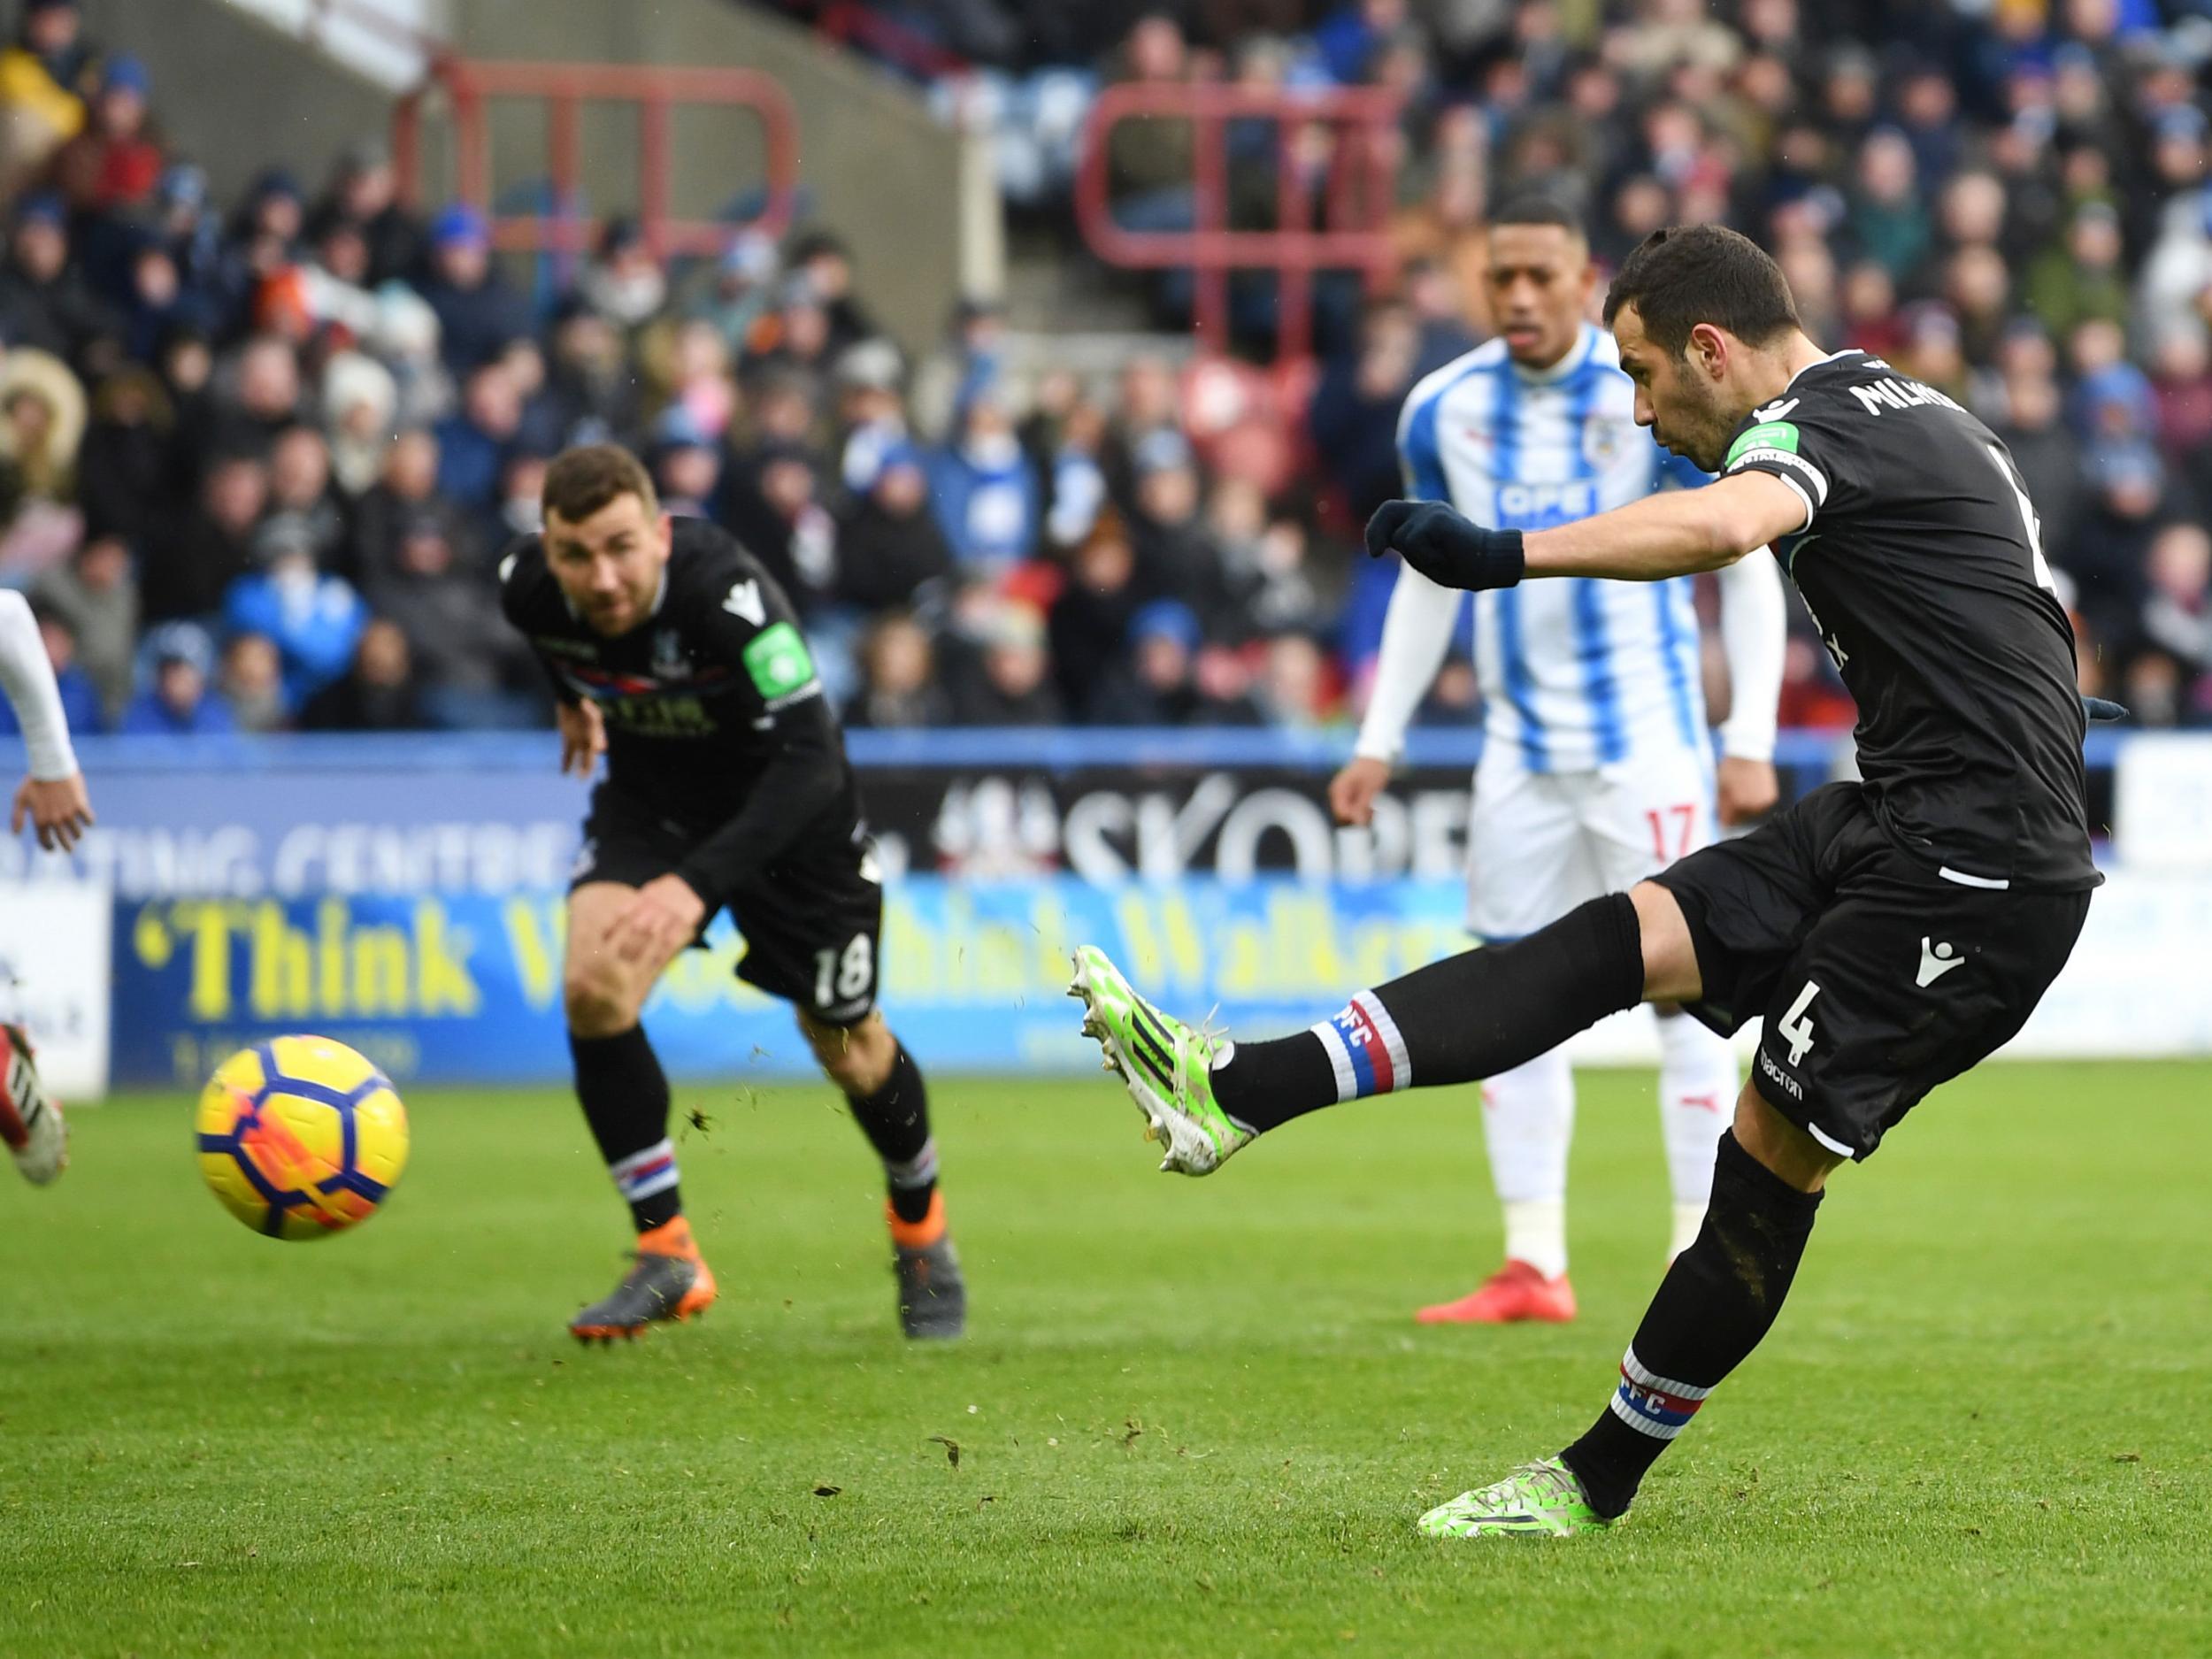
x=465 y=988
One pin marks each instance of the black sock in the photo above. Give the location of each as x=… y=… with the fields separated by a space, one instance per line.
x=895 y=1119
x=1456 y=1021
x=618 y=1080
x=1716 y=1304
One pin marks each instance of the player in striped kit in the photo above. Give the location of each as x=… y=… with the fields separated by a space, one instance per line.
x=1596 y=770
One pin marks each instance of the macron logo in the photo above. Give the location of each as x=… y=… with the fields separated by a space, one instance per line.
x=1936 y=961
x=744 y=599
x=1776 y=410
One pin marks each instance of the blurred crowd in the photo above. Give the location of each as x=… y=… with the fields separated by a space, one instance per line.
x=2007 y=197
x=258 y=458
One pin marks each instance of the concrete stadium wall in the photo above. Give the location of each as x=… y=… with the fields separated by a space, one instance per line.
x=872 y=164
x=236 y=96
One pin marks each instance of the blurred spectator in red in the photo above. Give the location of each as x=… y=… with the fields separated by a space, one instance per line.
x=113 y=162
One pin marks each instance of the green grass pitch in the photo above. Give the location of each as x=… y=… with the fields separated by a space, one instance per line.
x=1193 y=1418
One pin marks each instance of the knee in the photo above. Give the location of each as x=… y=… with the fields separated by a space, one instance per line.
x=1670 y=972
x=858 y=1058
x=598 y=1003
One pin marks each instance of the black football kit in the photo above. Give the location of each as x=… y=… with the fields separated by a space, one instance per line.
x=725 y=764
x=1894 y=930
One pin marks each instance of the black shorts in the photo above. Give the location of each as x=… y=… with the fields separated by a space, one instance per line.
x=1878 y=979
x=811 y=922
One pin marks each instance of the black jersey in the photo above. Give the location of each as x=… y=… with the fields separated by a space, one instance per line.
x=1922 y=563
x=716 y=720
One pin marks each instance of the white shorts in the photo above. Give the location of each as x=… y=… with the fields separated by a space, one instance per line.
x=1540 y=843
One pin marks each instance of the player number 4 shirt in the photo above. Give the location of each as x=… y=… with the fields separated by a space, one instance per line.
x=1920 y=559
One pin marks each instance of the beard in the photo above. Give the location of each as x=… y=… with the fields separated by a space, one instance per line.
x=1699 y=426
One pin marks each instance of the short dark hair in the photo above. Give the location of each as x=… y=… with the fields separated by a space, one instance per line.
x=1533 y=209
x=1689 y=275
x=581 y=481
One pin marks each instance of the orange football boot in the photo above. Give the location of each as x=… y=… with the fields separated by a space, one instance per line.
x=668 y=1279
x=1514 y=1293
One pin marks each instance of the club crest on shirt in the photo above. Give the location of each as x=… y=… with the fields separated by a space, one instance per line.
x=669 y=661
x=1604 y=440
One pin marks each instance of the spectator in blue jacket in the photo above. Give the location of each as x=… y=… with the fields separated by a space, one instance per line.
x=178 y=704
x=314 y=619
x=80 y=697
x=478 y=314
x=983 y=489
x=474 y=442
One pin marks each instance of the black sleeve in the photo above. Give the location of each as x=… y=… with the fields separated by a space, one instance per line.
x=1806 y=443
x=746 y=624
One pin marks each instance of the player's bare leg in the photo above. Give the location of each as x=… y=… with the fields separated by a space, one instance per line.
x=890 y=1102
x=625 y=1097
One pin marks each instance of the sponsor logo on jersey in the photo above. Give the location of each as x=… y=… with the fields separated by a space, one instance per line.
x=743 y=599
x=1775 y=1074
x=1540 y=506
x=1768 y=435
x=1936 y=960
x=778 y=661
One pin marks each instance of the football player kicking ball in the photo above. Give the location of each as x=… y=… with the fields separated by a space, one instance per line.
x=674 y=653
x=1597 y=768
x=52 y=800
x=1892 y=932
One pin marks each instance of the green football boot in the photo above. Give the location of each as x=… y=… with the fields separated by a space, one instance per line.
x=1166 y=1065
x=1539 y=1500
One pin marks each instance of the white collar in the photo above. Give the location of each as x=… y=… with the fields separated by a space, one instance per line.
x=1577 y=354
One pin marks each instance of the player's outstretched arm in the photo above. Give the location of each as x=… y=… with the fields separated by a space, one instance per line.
x=1675 y=533
x=53 y=797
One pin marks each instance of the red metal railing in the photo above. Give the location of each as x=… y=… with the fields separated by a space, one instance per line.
x=470 y=87
x=1354 y=201
x=864 y=28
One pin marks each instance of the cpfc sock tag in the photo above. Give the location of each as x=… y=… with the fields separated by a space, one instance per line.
x=1365 y=1049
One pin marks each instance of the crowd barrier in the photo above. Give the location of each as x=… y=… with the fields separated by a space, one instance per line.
x=405 y=895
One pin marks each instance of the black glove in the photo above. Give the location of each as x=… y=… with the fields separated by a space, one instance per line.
x=2101 y=711
x=1445 y=547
